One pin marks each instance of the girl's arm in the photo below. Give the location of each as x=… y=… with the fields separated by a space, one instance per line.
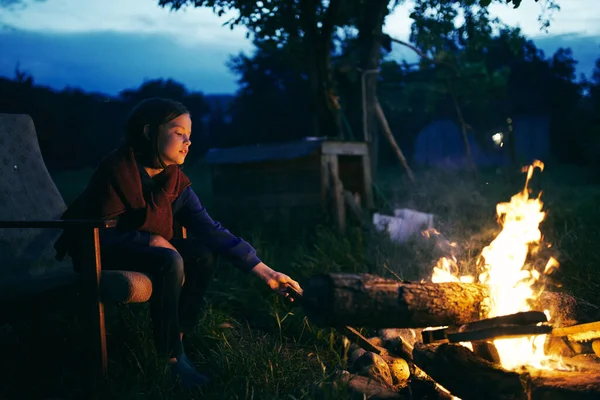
x=191 y=214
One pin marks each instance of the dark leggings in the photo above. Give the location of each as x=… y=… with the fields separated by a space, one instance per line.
x=173 y=308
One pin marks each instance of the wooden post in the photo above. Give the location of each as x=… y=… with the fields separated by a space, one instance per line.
x=93 y=309
x=325 y=181
x=367 y=181
x=338 y=193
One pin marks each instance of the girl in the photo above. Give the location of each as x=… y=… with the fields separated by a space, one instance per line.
x=141 y=184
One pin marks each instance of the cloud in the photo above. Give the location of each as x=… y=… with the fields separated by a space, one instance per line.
x=110 y=45
x=188 y=25
x=586 y=49
x=109 y=62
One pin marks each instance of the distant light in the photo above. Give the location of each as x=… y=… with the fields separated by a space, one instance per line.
x=497 y=138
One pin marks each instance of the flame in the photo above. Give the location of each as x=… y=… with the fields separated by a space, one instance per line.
x=511 y=279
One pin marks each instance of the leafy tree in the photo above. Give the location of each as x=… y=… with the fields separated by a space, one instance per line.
x=271 y=103
x=309 y=22
x=76 y=129
x=314 y=22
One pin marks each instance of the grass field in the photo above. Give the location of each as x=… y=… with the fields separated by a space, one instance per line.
x=259 y=347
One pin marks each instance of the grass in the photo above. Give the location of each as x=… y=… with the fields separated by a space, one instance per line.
x=259 y=347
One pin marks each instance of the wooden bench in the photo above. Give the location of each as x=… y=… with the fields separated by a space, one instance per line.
x=30 y=208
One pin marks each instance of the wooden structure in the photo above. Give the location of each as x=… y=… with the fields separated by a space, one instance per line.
x=30 y=278
x=285 y=176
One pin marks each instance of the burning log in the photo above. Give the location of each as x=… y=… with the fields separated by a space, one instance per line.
x=370 y=301
x=596 y=347
x=561 y=385
x=465 y=375
x=583 y=362
x=470 y=377
x=567 y=310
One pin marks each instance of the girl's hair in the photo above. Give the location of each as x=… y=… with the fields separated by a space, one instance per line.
x=153 y=112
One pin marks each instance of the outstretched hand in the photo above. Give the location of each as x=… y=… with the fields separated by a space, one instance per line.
x=277 y=281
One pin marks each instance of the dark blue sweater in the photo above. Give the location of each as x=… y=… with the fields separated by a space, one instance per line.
x=191 y=214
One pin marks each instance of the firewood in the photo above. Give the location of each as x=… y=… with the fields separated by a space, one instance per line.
x=469 y=377
x=370 y=301
x=398 y=347
x=583 y=362
x=567 y=310
x=373 y=366
x=466 y=375
x=563 y=385
x=399 y=369
x=487 y=351
x=558 y=346
x=358 y=387
x=596 y=347
x=355 y=353
x=423 y=387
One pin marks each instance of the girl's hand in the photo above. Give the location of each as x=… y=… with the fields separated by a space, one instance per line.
x=277 y=281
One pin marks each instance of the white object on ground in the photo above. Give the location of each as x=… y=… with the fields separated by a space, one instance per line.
x=404 y=224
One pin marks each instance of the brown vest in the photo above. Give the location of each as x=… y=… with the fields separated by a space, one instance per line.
x=116 y=190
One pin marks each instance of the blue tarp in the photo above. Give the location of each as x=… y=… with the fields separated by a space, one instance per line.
x=440 y=144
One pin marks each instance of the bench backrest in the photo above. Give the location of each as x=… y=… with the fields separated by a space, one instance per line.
x=27 y=192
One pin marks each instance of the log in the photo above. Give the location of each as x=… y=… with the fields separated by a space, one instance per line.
x=563 y=385
x=357 y=387
x=583 y=363
x=465 y=375
x=369 y=301
x=365 y=300
x=567 y=310
x=469 y=377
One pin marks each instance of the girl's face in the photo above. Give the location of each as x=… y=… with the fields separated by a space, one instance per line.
x=174 y=139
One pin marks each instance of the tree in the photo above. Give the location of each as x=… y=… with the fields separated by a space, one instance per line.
x=309 y=22
x=314 y=23
x=272 y=101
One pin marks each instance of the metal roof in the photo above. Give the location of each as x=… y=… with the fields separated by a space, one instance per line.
x=264 y=151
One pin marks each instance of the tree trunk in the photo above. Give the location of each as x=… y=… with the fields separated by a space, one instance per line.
x=370 y=301
x=369 y=41
x=318 y=42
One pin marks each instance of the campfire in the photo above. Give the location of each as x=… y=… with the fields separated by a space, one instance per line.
x=500 y=335
x=512 y=281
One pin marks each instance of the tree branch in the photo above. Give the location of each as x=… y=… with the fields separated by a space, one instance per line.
x=463 y=129
x=463 y=125
x=390 y=137
x=422 y=54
